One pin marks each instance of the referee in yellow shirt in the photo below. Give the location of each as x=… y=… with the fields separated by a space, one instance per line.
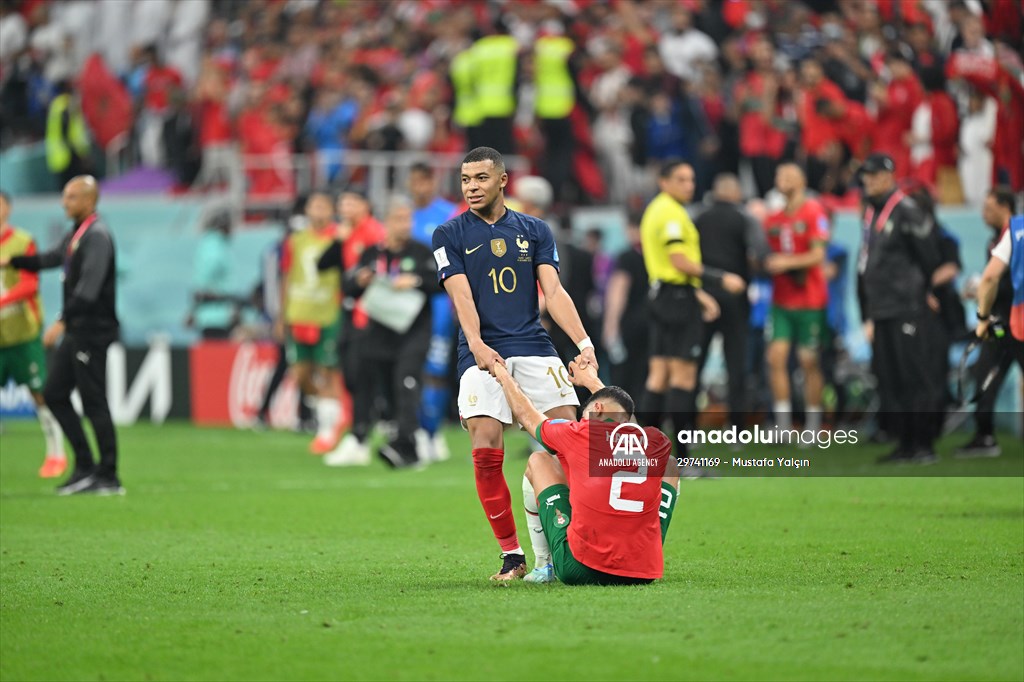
x=678 y=306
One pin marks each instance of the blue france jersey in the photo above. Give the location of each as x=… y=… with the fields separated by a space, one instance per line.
x=425 y=220
x=501 y=263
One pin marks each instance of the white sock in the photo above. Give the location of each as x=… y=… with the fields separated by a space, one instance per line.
x=52 y=434
x=328 y=411
x=813 y=420
x=783 y=414
x=541 y=549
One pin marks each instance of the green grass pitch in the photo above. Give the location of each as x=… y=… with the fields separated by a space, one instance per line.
x=235 y=555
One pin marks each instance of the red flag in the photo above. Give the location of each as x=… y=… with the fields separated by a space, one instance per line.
x=106 y=105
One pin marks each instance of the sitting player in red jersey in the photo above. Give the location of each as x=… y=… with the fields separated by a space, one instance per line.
x=605 y=510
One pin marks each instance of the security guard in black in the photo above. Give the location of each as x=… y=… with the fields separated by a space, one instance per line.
x=899 y=252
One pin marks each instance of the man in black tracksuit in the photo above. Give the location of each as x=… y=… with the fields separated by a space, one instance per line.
x=730 y=240
x=899 y=253
x=89 y=325
x=393 y=361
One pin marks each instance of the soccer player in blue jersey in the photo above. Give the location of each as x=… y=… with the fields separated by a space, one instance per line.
x=490 y=260
x=432 y=210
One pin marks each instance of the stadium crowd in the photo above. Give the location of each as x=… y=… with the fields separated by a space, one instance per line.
x=594 y=94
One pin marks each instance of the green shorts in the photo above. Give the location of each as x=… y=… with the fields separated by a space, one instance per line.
x=25 y=363
x=555 y=517
x=323 y=353
x=805 y=328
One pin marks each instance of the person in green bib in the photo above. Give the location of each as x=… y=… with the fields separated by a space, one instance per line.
x=21 y=342
x=311 y=305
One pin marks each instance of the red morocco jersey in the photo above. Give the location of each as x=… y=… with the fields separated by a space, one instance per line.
x=797 y=232
x=615 y=500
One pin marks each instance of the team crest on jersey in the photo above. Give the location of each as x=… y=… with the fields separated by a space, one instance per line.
x=472 y=399
x=524 y=249
x=498 y=247
x=800 y=227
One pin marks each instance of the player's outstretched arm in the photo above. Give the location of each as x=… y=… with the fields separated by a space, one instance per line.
x=35 y=262
x=522 y=409
x=987 y=288
x=585 y=377
x=461 y=294
x=563 y=312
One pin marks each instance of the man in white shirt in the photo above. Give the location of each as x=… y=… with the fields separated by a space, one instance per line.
x=683 y=47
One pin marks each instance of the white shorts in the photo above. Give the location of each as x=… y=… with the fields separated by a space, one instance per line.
x=544 y=380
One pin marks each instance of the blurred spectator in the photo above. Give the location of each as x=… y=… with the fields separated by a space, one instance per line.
x=624 y=330
x=13 y=36
x=383 y=133
x=731 y=241
x=836 y=269
x=762 y=140
x=466 y=112
x=555 y=94
x=329 y=121
x=843 y=64
x=214 y=310
x=68 y=151
x=821 y=108
x=431 y=210
x=215 y=128
x=896 y=102
x=666 y=138
x=683 y=46
x=150 y=21
x=180 y=140
x=157 y=85
x=593 y=242
x=933 y=140
x=926 y=56
x=613 y=142
x=977 y=135
x=184 y=38
x=495 y=68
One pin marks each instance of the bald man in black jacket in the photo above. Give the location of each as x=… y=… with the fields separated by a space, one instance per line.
x=88 y=323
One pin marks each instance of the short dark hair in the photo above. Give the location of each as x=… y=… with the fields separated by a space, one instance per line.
x=5 y=196
x=1004 y=196
x=615 y=394
x=486 y=154
x=669 y=167
x=423 y=168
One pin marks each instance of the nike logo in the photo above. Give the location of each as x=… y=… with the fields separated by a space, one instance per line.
x=469 y=251
x=496 y=516
x=83 y=357
x=565 y=393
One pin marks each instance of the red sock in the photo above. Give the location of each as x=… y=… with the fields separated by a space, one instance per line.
x=345 y=419
x=494 y=496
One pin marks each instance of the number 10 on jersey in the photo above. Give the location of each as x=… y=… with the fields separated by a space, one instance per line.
x=505 y=279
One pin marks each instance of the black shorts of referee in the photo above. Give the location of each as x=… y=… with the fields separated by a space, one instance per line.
x=676 y=326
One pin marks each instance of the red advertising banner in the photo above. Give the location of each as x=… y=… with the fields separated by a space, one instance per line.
x=228 y=382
